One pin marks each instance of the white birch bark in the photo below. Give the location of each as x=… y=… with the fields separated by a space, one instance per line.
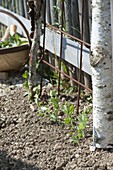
x=101 y=62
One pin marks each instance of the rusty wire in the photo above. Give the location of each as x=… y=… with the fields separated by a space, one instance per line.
x=43 y=48
x=60 y=58
x=82 y=85
x=81 y=49
x=61 y=43
x=67 y=76
x=67 y=34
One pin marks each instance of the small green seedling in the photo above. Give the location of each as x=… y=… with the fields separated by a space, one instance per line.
x=82 y=120
x=36 y=91
x=69 y=111
x=54 y=101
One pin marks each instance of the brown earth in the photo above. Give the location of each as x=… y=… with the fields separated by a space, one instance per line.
x=32 y=142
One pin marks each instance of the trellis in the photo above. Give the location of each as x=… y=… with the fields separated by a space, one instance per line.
x=69 y=47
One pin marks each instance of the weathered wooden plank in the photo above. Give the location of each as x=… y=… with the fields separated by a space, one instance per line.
x=70 y=52
x=71 y=49
x=25 y=8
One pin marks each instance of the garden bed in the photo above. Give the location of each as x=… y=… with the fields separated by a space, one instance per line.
x=32 y=142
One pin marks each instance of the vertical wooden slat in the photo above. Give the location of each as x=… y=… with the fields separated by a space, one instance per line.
x=48 y=20
x=69 y=29
x=75 y=18
x=13 y=6
x=68 y=16
x=25 y=9
x=53 y=11
x=48 y=15
x=21 y=9
x=17 y=7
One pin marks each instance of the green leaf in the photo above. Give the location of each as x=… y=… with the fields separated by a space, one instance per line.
x=36 y=89
x=75 y=139
x=66 y=108
x=67 y=121
x=11 y=42
x=25 y=75
x=36 y=96
x=52 y=93
x=55 y=103
x=84 y=118
x=81 y=126
x=53 y=117
x=81 y=134
x=26 y=85
x=71 y=110
x=64 y=67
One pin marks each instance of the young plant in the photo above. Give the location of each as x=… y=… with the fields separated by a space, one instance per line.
x=82 y=120
x=25 y=75
x=69 y=111
x=36 y=91
x=77 y=125
x=54 y=102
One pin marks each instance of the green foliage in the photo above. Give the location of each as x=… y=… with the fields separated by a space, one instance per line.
x=82 y=121
x=26 y=85
x=65 y=70
x=36 y=91
x=77 y=132
x=89 y=98
x=54 y=102
x=12 y=41
x=25 y=75
x=76 y=124
x=69 y=111
x=71 y=90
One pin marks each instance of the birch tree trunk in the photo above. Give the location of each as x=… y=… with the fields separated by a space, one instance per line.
x=35 y=47
x=101 y=62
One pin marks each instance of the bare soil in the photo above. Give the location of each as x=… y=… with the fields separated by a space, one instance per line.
x=32 y=142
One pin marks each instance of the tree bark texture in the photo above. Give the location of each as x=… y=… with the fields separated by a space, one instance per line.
x=101 y=62
x=35 y=46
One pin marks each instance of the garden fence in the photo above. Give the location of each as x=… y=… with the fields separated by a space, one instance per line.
x=67 y=36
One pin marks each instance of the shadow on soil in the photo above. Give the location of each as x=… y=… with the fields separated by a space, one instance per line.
x=8 y=163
